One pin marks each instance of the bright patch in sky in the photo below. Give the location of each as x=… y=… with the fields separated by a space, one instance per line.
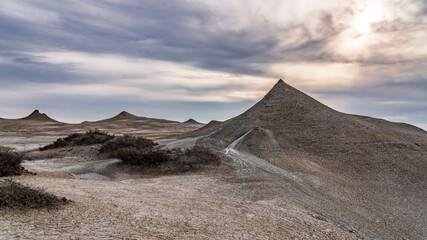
x=373 y=12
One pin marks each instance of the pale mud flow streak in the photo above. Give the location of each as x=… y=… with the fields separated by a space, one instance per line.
x=246 y=161
x=91 y=170
x=26 y=143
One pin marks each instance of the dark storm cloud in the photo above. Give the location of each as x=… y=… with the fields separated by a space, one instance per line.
x=23 y=68
x=172 y=30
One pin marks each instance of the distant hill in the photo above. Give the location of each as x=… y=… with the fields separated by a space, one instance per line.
x=152 y=128
x=37 y=116
x=192 y=121
x=208 y=128
x=124 y=114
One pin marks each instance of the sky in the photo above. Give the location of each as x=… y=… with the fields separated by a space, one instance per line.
x=180 y=59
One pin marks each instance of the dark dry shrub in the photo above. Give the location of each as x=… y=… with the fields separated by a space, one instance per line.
x=197 y=157
x=17 y=196
x=80 y=139
x=10 y=164
x=127 y=141
x=128 y=155
x=2 y=148
x=171 y=161
x=156 y=158
x=133 y=156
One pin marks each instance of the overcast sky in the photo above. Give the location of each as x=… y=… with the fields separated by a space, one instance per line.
x=88 y=59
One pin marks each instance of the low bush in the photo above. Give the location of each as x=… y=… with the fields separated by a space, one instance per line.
x=80 y=139
x=197 y=157
x=127 y=141
x=2 y=148
x=150 y=159
x=17 y=196
x=10 y=164
x=172 y=160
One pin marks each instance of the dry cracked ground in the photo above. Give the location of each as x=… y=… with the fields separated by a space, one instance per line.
x=200 y=206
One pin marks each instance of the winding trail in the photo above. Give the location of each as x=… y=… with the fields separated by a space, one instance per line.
x=245 y=161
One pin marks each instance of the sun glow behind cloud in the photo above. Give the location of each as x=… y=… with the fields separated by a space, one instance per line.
x=372 y=13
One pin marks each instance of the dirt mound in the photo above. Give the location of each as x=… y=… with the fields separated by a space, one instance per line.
x=17 y=196
x=347 y=158
x=37 y=116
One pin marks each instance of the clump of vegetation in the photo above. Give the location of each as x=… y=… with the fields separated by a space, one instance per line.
x=10 y=164
x=2 y=148
x=80 y=139
x=17 y=196
x=143 y=158
x=171 y=161
x=140 y=151
x=127 y=141
x=196 y=158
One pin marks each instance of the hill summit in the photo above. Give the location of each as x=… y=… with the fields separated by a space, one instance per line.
x=37 y=116
x=125 y=114
x=192 y=121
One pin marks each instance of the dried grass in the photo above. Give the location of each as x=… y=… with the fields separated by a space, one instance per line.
x=17 y=196
x=10 y=164
x=171 y=161
x=127 y=141
x=80 y=139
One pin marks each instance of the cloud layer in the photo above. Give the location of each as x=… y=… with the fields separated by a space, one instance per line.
x=366 y=57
